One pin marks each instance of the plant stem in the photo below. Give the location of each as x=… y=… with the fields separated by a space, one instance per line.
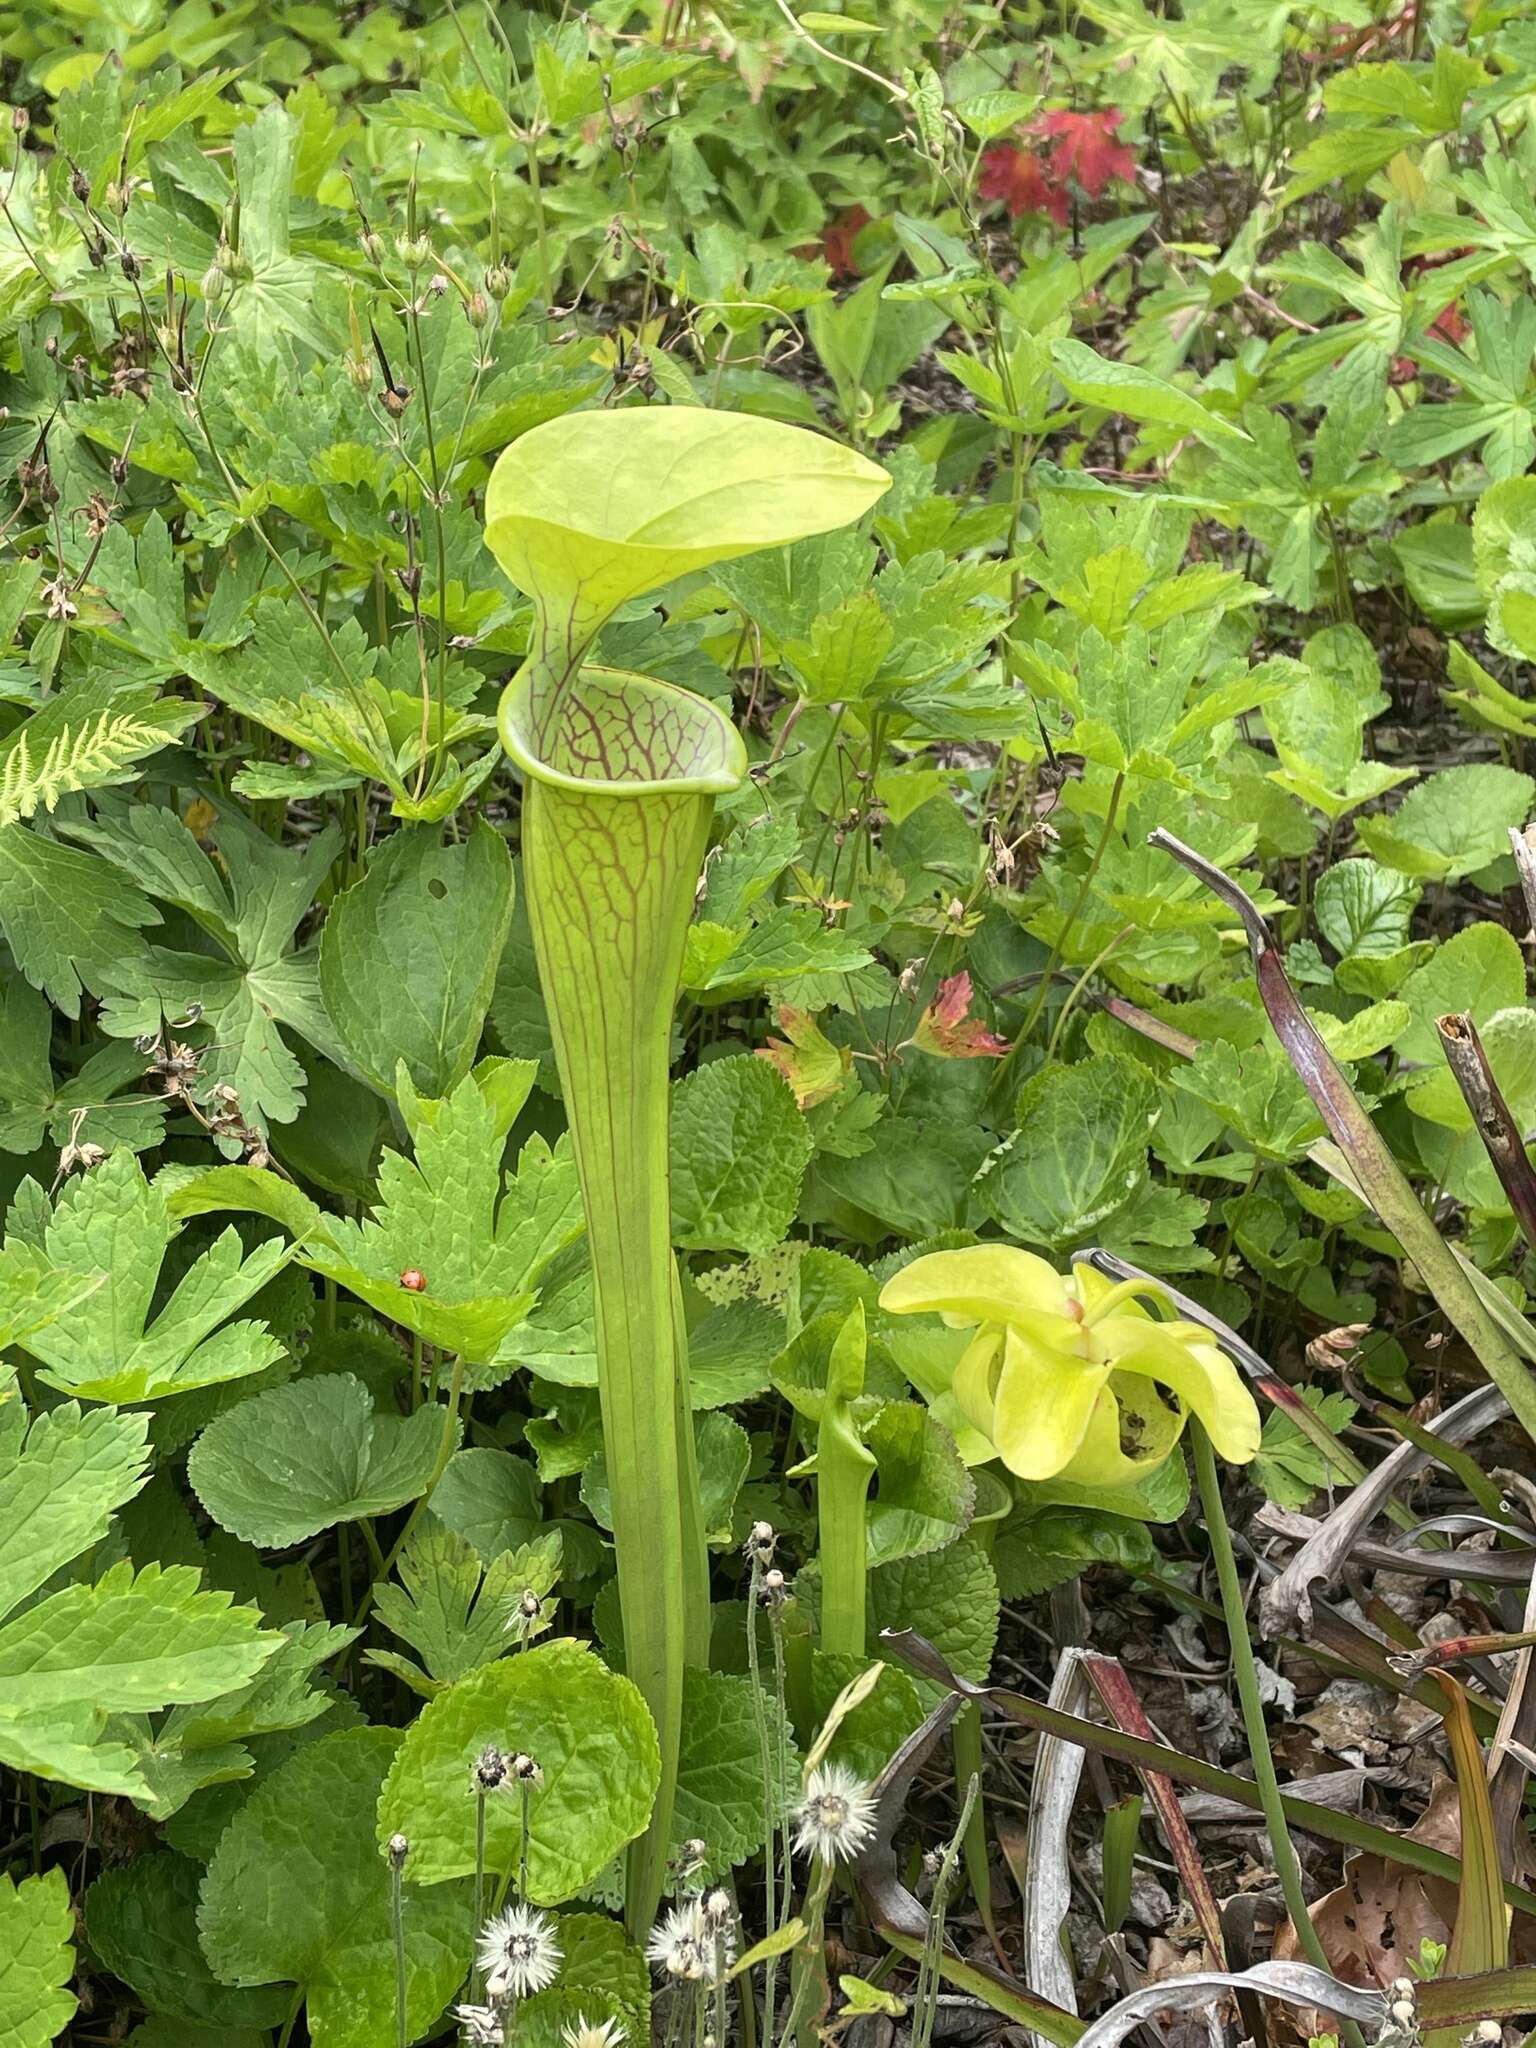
x=1245 y=1672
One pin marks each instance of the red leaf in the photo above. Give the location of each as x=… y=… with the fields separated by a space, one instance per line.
x=838 y=238
x=945 y=1029
x=1018 y=178
x=1083 y=148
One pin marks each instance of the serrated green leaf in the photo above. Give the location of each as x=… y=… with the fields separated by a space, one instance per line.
x=60 y=1482
x=479 y=1242
x=740 y=1147
x=720 y=1768
x=111 y=1221
x=141 y=1922
x=1079 y=1150
x=586 y=1728
x=130 y=1642
x=1453 y=823
x=37 y=1959
x=300 y=1458
x=457 y=1617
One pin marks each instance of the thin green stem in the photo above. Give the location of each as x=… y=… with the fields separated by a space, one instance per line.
x=1245 y=1673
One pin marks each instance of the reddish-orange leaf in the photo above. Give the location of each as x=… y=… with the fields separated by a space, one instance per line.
x=946 y=1028
x=1018 y=178
x=1083 y=148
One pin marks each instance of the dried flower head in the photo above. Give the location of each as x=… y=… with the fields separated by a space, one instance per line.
x=490 y=1770
x=525 y=1770
x=718 y=1908
x=479 y=2025
x=527 y=1614
x=836 y=1817
x=587 y=2033
x=691 y=1857
x=398 y=1848
x=761 y=1538
x=518 y=1952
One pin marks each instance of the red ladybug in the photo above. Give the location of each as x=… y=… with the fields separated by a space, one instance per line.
x=414 y=1280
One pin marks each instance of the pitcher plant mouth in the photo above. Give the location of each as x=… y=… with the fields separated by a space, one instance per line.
x=615 y=733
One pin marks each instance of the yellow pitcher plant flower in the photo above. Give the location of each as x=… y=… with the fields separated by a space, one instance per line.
x=1066 y=1376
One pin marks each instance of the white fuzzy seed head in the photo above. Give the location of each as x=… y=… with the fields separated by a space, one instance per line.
x=836 y=1817
x=488 y=1772
x=590 y=2034
x=518 y=1952
x=681 y=1945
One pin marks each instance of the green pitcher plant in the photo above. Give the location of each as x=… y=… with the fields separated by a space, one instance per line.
x=620 y=774
x=1075 y=1378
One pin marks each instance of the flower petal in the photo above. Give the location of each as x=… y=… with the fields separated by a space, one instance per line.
x=1198 y=1371
x=975 y=1383
x=1127 y=1411
x=984 y=1283
x=1043 y=1405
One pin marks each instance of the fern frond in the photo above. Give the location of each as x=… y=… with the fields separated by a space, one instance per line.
x=104 y=750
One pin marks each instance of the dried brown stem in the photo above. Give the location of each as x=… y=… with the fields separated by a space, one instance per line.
x=1522 y=842
x=1490 y=1112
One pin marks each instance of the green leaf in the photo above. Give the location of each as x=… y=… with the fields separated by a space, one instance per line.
x=1078 y=1152
x=720 y=1768
x=491 y=1499
x=1289 y=1467
x=1453 y=823
x=37 y=1960
x=1123 y=388
x=602 y=1977
x=455 y=1616
x=131 y=1643
x=950 y=1596
x=923 y=1493
x=480 y=1243
x=297 y=1893
x=1034 y=1552
x=141 y=1921
x=740 y=1147
x=602 y=506
x=1479 y=970
x=288 y=1463
x=112 y=1221
x=868 y=1737
x=408 y=956
x=1256 y=1093
x=67 y=917
x=586 y=1728
x=1364 y=910
x=60 y=1482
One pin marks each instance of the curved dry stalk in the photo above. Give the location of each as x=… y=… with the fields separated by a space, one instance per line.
x=1496 y=1127
x=1287 y=1600
x=1381 y=1180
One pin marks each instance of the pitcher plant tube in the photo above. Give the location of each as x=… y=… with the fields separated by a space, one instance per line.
x=620 y=775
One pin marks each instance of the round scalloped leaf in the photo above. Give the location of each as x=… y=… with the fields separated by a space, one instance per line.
x=602 y=1977
x=720 y=1768
x=298 y=1893
x=36 y=1958
x=588 y=1730
x=281 y=1467
x=948 y=1595
x=141 y=1920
